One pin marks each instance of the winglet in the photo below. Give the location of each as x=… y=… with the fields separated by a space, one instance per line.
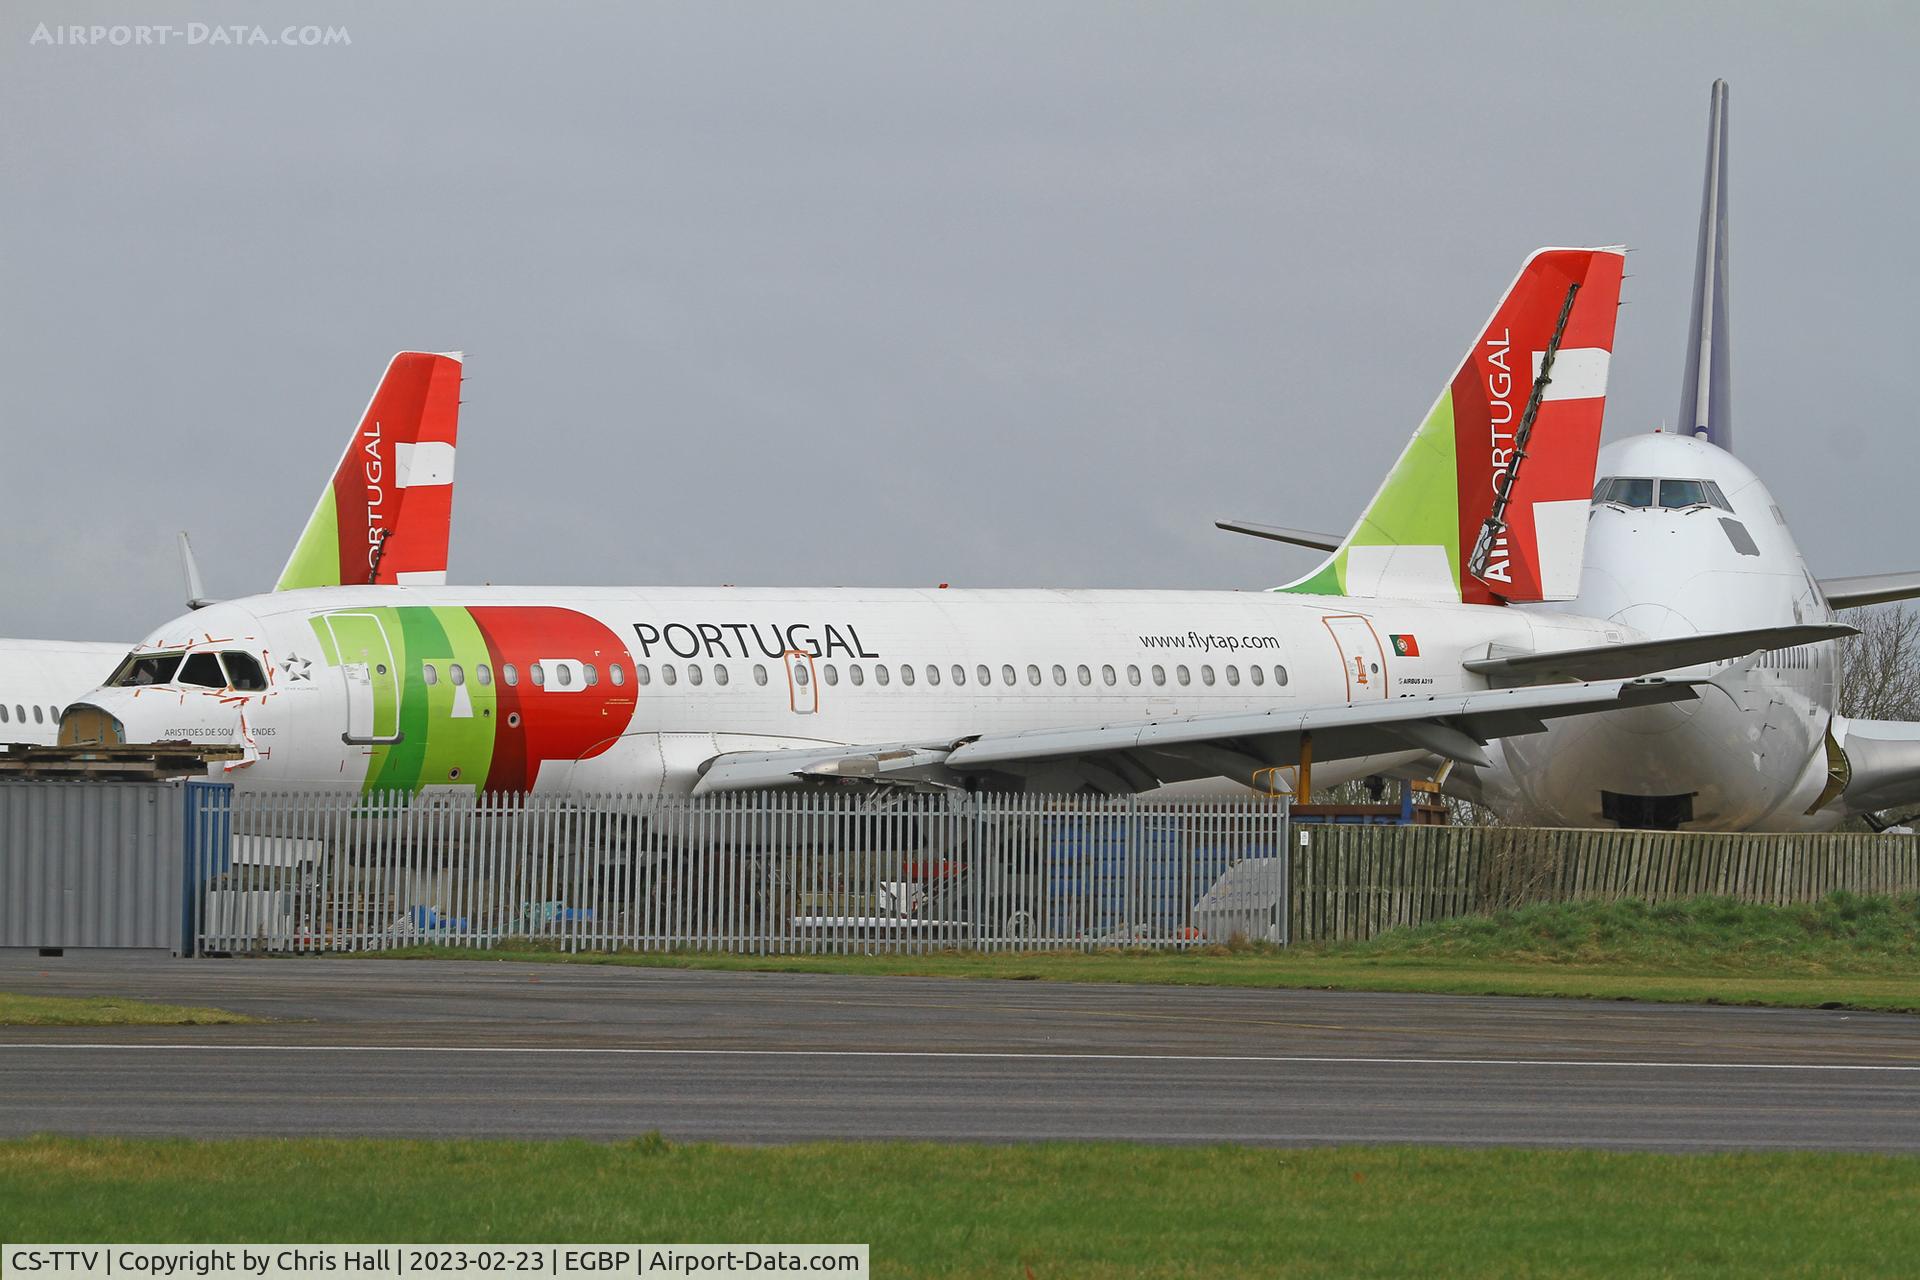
x=386 y=515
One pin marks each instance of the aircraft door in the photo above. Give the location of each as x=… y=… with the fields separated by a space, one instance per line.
x=1360 y=655
x=371 y=678
x=803 y=681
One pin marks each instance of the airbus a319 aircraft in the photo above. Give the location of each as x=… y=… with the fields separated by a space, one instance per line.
x=405 y=441
x=1375 y=660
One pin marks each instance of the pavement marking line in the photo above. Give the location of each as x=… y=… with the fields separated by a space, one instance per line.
x=970 y=1054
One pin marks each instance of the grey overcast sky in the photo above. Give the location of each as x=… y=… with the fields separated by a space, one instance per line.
x=826 y=293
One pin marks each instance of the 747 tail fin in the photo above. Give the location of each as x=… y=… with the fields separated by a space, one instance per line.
x=1415 y=539
x=386 y=514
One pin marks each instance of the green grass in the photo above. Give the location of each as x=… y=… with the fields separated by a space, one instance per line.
x=105 y=1011
x=1093 y=1210
x=1845 y=951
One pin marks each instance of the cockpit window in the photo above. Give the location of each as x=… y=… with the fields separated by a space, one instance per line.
x=203 y=669
x=1642 y=492
x=243 y=671
x=144 y=669
x=1683 y=493
x=1625 y=492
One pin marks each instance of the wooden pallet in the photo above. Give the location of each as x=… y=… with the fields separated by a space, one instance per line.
x=134 y=762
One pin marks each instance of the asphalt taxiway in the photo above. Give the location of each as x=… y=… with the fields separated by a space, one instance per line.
x=446 y=1049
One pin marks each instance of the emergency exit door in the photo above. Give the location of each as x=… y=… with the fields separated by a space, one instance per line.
x=1360 y=655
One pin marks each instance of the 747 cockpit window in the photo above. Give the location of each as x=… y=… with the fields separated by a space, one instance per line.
x=141 y=669
x=1642 y=492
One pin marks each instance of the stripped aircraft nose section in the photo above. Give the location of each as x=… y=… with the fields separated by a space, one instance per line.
x=86 y=725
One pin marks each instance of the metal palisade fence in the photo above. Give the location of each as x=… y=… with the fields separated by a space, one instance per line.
x=753 y=873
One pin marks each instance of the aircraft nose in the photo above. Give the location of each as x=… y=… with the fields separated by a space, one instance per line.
x=85 y=725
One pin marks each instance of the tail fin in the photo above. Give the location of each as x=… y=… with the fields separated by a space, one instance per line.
x=1706 y=405
x=1413 y=540
x=385 y=515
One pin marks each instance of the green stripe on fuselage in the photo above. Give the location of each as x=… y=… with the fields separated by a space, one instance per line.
x=446 y=729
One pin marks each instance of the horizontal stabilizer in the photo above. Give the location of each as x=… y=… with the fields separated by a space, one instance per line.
x=1141 y=754
x=1873 y=588
x=1280 y=533
x=1644 y=657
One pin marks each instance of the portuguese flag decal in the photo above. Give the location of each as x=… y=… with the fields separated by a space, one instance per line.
x=1405 y=646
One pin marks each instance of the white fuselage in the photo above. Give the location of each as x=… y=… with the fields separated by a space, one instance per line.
x=641 y=686
x=39 y=679
x=1747 y=755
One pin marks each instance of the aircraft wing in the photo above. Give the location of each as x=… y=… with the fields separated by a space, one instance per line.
x=1643 y=657
x=1872 y=588
x=1139 y=754
x=1280 y=533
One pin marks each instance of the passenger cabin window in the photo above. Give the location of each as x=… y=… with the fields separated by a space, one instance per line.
x=933 y=674
x=142 y=669
x=855 y=674
x=1108 y=675
x=880 y=676
x=615 y=673
x=642 y=673
x=1059 y=674
x=538 y=674
x=456 y=673
x=4 y=715
x=38 y=716
x=831 y=673
x=1133 y=674
x=959 y=674
x=590 y=673
x=667 y=674
x=432 y=676
x=203 y=670
x=1008 y=676
x=759 y=673
x=694 y=675
x=719 y=674
x=511 y=673
x=484 y=674
x=1083 y=675
x=244 y=672
x=1258 y=676
x=564 y=673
